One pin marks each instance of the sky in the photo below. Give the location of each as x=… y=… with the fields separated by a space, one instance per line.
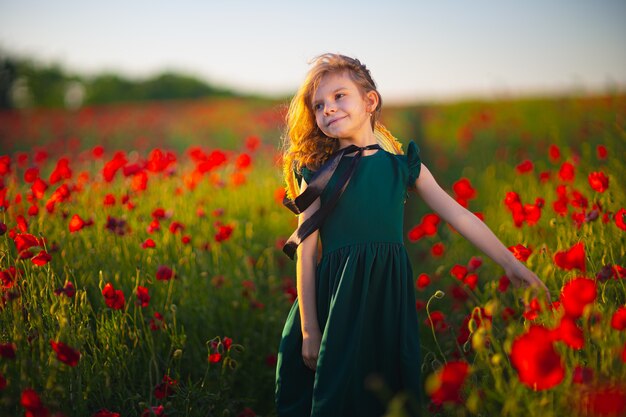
x=416 y=50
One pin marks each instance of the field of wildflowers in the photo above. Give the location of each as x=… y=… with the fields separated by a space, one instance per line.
x=141 y=270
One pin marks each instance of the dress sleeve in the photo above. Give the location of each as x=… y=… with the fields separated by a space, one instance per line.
x=414 y=163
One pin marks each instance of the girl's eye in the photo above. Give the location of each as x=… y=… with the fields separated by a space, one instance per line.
x=317 y=107
x=339 y=95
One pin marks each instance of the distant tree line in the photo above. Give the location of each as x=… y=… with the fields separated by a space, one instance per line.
x=24 y=83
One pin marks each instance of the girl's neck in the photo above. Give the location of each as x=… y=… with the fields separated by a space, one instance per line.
x=361 y=141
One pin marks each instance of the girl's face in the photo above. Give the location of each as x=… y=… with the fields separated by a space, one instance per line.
x=341 y=111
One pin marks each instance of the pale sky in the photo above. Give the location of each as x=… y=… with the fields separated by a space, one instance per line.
x=415 y=50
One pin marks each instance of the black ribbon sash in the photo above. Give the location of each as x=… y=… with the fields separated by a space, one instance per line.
x=318 y=184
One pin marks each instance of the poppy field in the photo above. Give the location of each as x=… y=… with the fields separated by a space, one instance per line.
x=142 y=272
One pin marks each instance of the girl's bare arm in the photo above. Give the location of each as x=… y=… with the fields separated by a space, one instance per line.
x=474 y=230
x=305 y=269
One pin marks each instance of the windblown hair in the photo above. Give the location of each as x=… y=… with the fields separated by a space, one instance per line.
x=303 y=143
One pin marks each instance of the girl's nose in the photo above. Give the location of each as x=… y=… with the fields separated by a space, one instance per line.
x=329 y=108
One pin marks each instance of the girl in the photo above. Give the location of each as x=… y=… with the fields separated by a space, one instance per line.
x=353 y=325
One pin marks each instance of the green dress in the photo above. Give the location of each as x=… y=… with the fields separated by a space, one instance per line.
x=365 y=299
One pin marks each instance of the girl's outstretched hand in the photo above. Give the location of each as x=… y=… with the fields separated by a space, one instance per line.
x=522 y=276
x=311 y=348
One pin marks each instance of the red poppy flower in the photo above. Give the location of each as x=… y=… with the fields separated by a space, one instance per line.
x=608 y=400
x=429 y=224
x=139 y=183
x=5 y=165
x=525 y=166
x=109 y=200
x=154 y=411
x=148 y=243
x=423 y=280
x=571 y=258
x=7 y=350
x=533 y=356
x=620 y=219
x=97 y=151
x=158 y=161
x=212 y=161
x=437 y=249
x=22 y=224
x=504 y=283
x=598 y=181
x=252 y=143
x=619 y=271
x=601 y=151
x=532 y=213
x=113 y=298
x=416 y=233
x=59 y=195
x=165 y=388
x=105 y=413
x=243 y=161
x=176 y=226
x=110 y=168
x=157 y=321
x=567 y=173
x=532 y=310
x=143 y=298
x=68 y=290
x=214 y=357
x=38 y=188
x=76 y=223
x=247 y=412
x=463 y=189
x=227 y=342
x=223 y=233
x=61 y=172
x=471 y=280
x=41 y=258
x=507 y=314
x=31 y=174
x=458 y=271
x=8 y=277
x=153 y=226
x=568 y=332
x=554 y=152
x=32 y=404
x=576 y=294
x=279 y=195
x=65 y=354
x=520 y=252
x=618 y=320
x=459 y=293
x=474 y=263
x=25 y=241
x=582 y=375
x=164 y=273
x=449 y=382
x=436 y=320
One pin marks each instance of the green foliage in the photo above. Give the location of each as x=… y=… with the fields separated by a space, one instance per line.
x=239 y=287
